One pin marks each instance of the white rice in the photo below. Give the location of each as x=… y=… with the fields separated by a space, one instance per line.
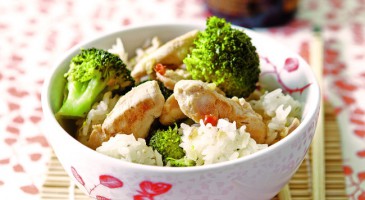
x=207 y=144
x=278 y=111
x=97 y=114
x=128 y=148
x=148 y=47
x=118 y=49
x=204 y=144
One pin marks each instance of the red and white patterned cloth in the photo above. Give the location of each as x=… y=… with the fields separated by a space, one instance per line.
x=33 y=33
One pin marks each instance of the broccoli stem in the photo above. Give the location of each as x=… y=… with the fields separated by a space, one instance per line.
x=182 y=162
x=80 y=97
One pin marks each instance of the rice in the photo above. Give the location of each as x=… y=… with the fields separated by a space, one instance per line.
x=128 y=148
x=118 y=49
x=97 y=114
x=203 y=143
x=279 y=112
x=147 y=48
x=207 y=144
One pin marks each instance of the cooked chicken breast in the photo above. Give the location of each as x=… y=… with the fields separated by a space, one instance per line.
x=97 y=137
x=171 y=53
x=171 y=111
x=171 y=77
x=198 y=99
x=135 y=111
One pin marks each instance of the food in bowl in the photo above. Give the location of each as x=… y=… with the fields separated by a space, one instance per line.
x=259 y=175
x=194 y=100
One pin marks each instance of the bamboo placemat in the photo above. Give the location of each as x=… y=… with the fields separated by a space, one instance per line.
x=58 y=186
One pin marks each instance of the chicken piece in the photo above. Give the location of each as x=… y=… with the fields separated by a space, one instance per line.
x=97 y=137
x=171 y=53
x=135 y=111
x=171 y=111
x=171 y=77
x=294 y=124
x=254 y=122
x=197 y=99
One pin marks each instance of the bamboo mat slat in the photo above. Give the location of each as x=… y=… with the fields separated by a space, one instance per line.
x=58 y=186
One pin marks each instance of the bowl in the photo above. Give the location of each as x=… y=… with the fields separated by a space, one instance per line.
x=257 y=176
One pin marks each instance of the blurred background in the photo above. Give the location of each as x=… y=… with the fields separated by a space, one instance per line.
x=34 y=33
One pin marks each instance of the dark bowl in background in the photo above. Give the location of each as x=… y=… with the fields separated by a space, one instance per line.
x=254 y=13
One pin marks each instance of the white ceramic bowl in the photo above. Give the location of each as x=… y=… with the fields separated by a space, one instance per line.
x=258 y=176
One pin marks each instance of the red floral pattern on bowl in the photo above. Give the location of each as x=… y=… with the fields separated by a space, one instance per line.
x=148 y=190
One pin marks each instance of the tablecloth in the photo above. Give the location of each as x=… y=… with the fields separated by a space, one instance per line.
x=33 y=33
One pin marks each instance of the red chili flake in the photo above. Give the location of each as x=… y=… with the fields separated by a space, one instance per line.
x=213 y=120
x=160 y=68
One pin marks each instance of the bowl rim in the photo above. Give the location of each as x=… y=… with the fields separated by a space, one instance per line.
x=50 y=119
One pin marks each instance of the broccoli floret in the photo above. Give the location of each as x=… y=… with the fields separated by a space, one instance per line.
x=167 y=142
x=225 y=56
x=164 y=90
x=182 y=162
x=166 y=93
x=91 y=72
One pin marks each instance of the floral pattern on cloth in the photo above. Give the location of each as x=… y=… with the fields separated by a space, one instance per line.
x=345 y=82
x=33 y=34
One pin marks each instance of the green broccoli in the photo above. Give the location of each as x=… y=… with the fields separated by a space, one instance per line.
x=166 y=93
x=91 y=72
x=225 y=56
x=164 y=90
x=182 y=162
x=167 y=142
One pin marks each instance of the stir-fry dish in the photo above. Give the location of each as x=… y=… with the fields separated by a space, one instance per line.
x=194 y=100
